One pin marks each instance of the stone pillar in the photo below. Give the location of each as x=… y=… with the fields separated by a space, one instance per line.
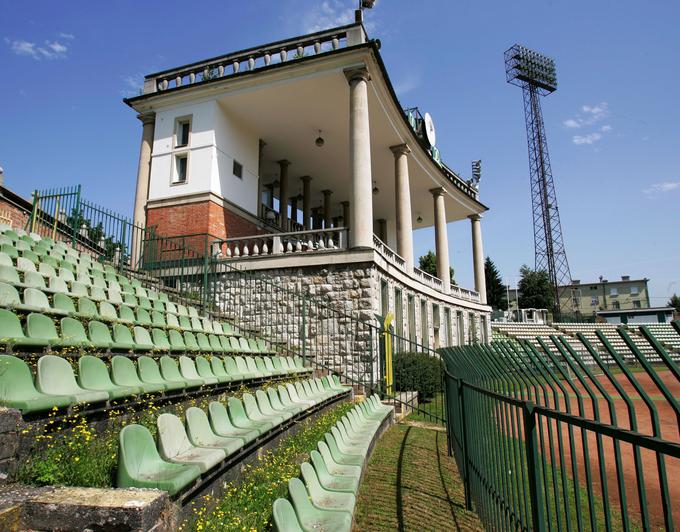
x=143 y=175
x=293 y=208
x=441 y=238
x=403 y=203
x=326 y=208
x=478 y=256
x=361 y=223
x=345 y=214
x=382 y=230
x=306 y=201
x=316 y=218
x=283 y=194
x=260 y=159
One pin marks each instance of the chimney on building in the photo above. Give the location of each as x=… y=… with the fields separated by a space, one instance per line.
x=625 y=277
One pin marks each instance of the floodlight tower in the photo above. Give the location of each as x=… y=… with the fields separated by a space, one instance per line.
x=535 y=74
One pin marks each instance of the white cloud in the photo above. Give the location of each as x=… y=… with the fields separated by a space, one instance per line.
x=133 y=85
x=68 y=36
x=589 y=115
x=49 y=50
x=606 y=128
x=407 y=84
x=330 y=14
x=662 y=187
x=590 y=138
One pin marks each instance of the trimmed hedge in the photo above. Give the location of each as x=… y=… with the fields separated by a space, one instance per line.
x=418 y=372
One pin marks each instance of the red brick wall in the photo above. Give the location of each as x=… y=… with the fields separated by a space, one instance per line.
x=12 y=214
x=200 y=217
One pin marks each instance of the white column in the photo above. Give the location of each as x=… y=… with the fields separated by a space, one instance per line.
x=403 y=203
x=361 y=215
x=478 y=256
x=441 y=238
x=283 y=194
x=306 y=201
x=143 y=175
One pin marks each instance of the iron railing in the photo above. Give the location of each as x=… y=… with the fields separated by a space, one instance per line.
x=547 y=439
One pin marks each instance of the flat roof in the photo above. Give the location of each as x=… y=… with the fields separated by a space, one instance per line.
x=648 y=310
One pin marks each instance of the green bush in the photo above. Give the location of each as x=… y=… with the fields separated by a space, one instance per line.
x=418 y=372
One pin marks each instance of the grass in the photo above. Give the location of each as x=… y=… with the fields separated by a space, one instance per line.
x=412 y=484
x=429 y=408
x=247 y=505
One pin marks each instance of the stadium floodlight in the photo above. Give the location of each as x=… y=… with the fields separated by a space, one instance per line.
x=525 y=66
x=366 y=4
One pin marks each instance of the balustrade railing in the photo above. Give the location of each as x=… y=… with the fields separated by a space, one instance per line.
x=255 y=58
x=281 y=243
x=428 y=279
x=389 y=254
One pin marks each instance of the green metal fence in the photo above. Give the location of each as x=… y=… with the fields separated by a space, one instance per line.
x=550 y=439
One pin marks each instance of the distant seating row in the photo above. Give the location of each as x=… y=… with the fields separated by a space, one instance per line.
x=206 y=441
x=326 y=496
x=57 y=386
x=35 y=300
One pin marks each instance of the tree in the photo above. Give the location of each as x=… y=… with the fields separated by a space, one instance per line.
x=536 y=290
x=674 y=302
x=496 y=295
x=428 y=263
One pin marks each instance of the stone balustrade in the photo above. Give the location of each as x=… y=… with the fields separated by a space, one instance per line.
x=279 y=243
x=426 y=278
x=388 y=254
x=251 y=59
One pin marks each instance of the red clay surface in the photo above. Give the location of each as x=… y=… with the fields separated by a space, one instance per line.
x=669 y=430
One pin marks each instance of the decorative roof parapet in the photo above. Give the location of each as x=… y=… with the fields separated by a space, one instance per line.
x=288 y=50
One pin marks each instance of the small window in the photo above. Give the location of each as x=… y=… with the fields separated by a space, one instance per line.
x=183 y=130
x=616 y=305
x=613 y=291
x=238 y=169
x=634 y=290
x=636 y=304
x=181 y=163
x=594 y=301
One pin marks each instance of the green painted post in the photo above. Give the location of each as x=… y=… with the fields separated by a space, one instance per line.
x=76 y=218
x=530 y=441
x=303 y=329
x=464 y=445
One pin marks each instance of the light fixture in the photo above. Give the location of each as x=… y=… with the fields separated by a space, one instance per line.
x=319 y=140
x=367 y=4
x=419 y=219
x=375 y=188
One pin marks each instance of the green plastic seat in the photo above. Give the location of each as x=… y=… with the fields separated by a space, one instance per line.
x=182 y=310
x=312 y=518
x=126 y=314
x=57 y=286
x=25 y=265
x=323 y=498
x=217 y=328
x=252 y=367
x=333 y=475
x=339 y=455
x=174 y=445
x=201 y=434
x=253 y=411
x=142 y=338
x=122 y=337
x=268 y=409
x=9 y=275
x=176 y=341
x=124 y=373
x=140 y=465
x=41 y=328
x=203 y=343
x=79 y=290
x=285 y=519
x=261 y=368
x=46 y=269
x=170 y=372
x=196 y=325
x=55 y=376
x=160 y=340
x=232 y=369
x=295 y=397
x=97 y=294
x=187 y=368
x=158 y=319
x=152 y=295
x=100 y=335
x=238 y=417
x=243 y=369
x=36 y=301
x=73 y=334
x=245 y=346
x=277 y=404
x=218 y=369
x=190 y=341
x=9 y=296
x=286 y=400
x=143 y=317
x=193 y=313
x=158 y=306
x=9 y=250
x=149 y=372
x=130 y=300
x=17 y=389
x=226 y=345
x=93 y=374
x=222 y=425
x=184 y=323
x=12 y=333
x=171 y=321
x=87 y=308
x=107 y=312
x=163 y=297
x=254 y=346
x=205 y=371
x=5 y=259
x=235 y=344
x=215 y=345
x=34 y=280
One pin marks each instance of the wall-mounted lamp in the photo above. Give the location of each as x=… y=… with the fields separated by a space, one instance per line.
x=419 y=219
x=375 y=188
x=319 y=140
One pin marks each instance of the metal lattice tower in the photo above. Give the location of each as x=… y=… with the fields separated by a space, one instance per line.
x=535 y=74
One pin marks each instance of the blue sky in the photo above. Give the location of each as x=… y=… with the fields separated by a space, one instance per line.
x=613 y=125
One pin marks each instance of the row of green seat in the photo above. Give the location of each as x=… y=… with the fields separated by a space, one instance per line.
x=325 y=497
x=35 y=300
x=186 y=451
x=41 y=332
x=56 y=384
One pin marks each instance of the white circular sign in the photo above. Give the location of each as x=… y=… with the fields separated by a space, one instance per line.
x=430 y=133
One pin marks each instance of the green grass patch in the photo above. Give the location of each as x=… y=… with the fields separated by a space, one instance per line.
x=430 y=411
x=247 y=505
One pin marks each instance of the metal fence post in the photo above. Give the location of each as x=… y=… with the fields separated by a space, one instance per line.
x=464 y=444
x=303 y=329
x=531 y=444
x=76 y=218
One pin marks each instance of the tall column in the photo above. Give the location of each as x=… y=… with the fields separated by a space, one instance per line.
x=283 y=193
x=441 y=238
x=327 y=208
x=260 y=160
x=306 y=201
x=345 y=214
x=143 y=175
x=478 y=256
x=361 y=221
x=403 y=203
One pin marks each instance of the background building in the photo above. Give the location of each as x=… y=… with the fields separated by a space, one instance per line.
x=587 y=299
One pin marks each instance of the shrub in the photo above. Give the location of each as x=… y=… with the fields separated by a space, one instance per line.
x=418 y=372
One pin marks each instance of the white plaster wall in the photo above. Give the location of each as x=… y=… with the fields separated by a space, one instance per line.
x=216 y=139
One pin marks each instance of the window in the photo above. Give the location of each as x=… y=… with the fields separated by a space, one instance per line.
x=435 y=325
x=594 y=301
x=634 y=290
x=613 y=291
x=182 y=131
x=460 y=325
x=472 y=328
x=238 y=169
x=384 y=298
x=398 y=312
x=616 y=305
x=411 y=318
x=447 y=319
x=637 y=304
x=181 y=168
x=424 y=325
